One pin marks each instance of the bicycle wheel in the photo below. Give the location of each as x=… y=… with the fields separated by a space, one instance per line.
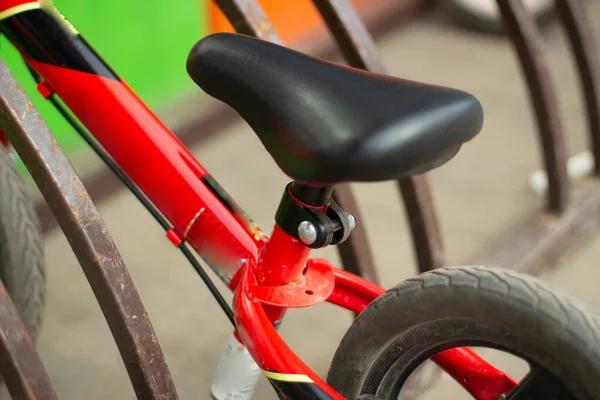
x=21 y=254
x=471 y=306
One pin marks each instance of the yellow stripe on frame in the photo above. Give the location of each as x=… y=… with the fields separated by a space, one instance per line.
x=287 y=377
x=19 y=9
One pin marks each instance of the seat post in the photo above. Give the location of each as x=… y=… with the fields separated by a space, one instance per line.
x=314 y=196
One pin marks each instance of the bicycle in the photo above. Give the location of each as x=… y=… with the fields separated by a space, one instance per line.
x=323 y=124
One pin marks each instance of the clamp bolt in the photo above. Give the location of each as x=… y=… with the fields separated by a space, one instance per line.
x=351 y=221
x=307 y=232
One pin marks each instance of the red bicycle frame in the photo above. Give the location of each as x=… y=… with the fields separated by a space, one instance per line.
x=268 y=275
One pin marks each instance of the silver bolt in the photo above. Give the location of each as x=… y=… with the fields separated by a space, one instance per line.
x=307 y=232
x=351 y=221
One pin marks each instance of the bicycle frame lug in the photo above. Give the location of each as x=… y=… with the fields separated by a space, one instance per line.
x=313 y=286
x=307 y=232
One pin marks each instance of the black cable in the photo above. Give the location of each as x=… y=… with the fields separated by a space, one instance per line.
x=207 y=281
x=137 y=192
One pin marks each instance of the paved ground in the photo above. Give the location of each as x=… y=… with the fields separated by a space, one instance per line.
x=479 y=195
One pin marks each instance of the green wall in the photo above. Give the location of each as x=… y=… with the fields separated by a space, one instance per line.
x=145 y=41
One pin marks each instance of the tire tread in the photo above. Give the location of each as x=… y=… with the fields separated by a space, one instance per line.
x=577 y=328
x=21 y=249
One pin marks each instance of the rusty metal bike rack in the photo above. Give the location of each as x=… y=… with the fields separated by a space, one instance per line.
x=570 y=216
x=96 y=252
x=572 y=209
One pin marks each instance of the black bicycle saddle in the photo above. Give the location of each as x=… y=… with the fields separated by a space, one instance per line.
x=326 y=123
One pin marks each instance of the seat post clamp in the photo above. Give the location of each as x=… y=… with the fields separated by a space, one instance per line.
x=316 y=227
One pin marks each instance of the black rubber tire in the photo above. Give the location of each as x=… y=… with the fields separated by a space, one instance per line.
x=474 y=21
x=22 y=268
x=472 y=306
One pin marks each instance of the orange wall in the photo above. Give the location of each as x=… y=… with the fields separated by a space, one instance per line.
x=294 y=20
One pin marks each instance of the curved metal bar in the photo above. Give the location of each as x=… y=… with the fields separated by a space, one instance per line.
x=360 y=51
x=420 y=211
x=351 y=34
x=247 y=18
x=580 y=34
x=89 y=238
x=20 y=364
x=529 y=46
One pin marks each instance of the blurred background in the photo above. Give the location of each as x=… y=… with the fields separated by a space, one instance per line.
x=479 y=195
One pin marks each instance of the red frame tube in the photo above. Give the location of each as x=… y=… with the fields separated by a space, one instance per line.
x=160 y=164
x=282 y=260
x=177 y=184
x=255 y=329
x=480 y=379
